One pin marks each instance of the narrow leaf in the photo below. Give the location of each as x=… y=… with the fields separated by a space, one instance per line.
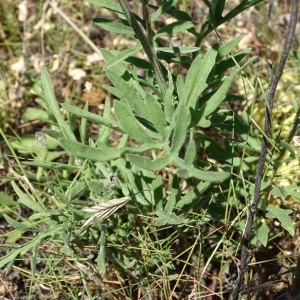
x=148 y=164
x=121 y=57
x=108 y=4
x=226 y=49
x=52 y=104
x=182 y=122
x=26 y=200
x=193 y=195
x=174 y=28
x=113 y=26
x=190 y=152
x=209 y=176
x=179 y=50
x=156 y=115
x=133 y=95
x=101 y=254
x=10 y=257
x=168 y=99
x=162 y=9
x=21 y=226
x=170 y=204
x=130 y=124
x=92 y=117
x=103 y=153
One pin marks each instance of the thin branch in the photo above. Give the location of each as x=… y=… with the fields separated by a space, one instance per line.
x=264 y=148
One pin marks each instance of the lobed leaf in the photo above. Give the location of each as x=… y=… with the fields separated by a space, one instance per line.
x=197 y=76
x=219 y=96
x=130 y=124
x=283 y=216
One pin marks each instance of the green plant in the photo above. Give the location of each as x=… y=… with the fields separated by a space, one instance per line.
x=169 y=149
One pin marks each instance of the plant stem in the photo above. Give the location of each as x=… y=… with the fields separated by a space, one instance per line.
x=264 y=149
x=146 y=46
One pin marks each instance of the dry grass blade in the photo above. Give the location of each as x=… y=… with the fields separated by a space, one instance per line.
x=104 y=210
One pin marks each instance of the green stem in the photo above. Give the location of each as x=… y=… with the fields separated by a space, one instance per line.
x=146 y=45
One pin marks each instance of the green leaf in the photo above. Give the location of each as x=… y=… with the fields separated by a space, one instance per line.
x=190 y=152
x=174 y=28
x=113 y=26
x=293 y=191
x=130 y=124
x=33 y=113
x=181 y=15
x=92 y=117
x=165 y=218
x=21 y=226
x=296 y=54
x=182 y=121
x=262 y=233
x=121 y=57
x=162 y=9
x=108 y=4
x=196 y=79
x=156 y=115
x=77 y=190
x=159 y=195
x=131 y=91
x=279 y=191
x=194 y=195
x=209 y=176
x=103 y=153
x=121 y=69
x=219 y=96
x=179 y=50
x=52 y=104
x=168 y=99
x=26 y=200
x=283 y=216
x=218 y=7
x=148 y=164
x=7 y=204
x=139 y=62
x=170 y=204
x=101 y=254
x=11 y=256
x=227 y=48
